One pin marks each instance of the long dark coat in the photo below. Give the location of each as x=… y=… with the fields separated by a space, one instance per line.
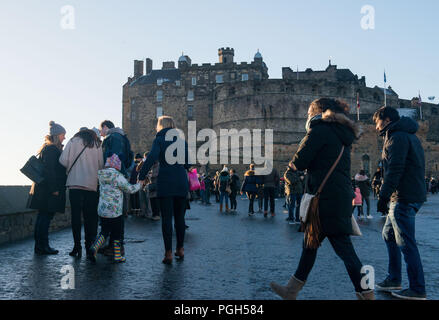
x=41 y=195
x=317 y=153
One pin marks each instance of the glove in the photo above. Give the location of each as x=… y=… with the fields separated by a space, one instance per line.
x=382 y=205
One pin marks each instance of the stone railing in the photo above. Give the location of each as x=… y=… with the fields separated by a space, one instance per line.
x=16 y=221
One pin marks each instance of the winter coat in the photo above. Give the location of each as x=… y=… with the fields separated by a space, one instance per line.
x=172 y=180
x=293 y=183
x=403 y=163
x=317 y=153
x=234 y=183
x=358 y=200
x=116 y=142
x=251 y=182
x=112 y=185
x=41 y=195
x=224 y=180
x=202 y=185
x=271 y=180
x=84 y=173
x=363 y=183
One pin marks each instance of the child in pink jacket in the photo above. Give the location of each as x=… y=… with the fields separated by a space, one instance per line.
x=358 y=203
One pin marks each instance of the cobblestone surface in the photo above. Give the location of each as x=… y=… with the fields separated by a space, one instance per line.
x=228 y=256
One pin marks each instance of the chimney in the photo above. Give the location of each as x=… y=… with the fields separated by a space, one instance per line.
x=148 y=66
x=138 y=68
x=168 y=65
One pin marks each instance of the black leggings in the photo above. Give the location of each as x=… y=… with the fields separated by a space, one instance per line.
x=343 y=247
x=173 y=206
x=251 y=197
x=112 y=226
x=233 y=202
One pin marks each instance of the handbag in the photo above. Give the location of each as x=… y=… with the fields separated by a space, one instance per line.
x=34 y=169
x=309 y=211
x=355 y=227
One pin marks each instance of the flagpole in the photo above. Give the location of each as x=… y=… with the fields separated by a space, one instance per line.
x=420 y=104
x=385 y=98
x=358 y=106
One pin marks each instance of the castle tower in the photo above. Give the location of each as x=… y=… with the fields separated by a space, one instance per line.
x=184 y=61
x=226 y=55
x=138 y=68
x=258 y=58
x=148 y=64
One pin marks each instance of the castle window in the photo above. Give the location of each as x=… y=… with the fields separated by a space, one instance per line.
x=206 y=76
x=160 y=81
x=232 y=75
x=159 y=112
x=211 y=111
x=190 y=112
x=133 y=116
x=231 y=91
x=244 y=77
x=190 y=95
x=159 y=95
x=257 y=76
x=133 y=101
x=177 y=83
x=219 y=78
x=365 y=160
x=194 y=81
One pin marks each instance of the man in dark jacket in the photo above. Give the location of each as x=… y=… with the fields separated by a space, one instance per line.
x=234 y=187
x=293 y=192
x=116 y=142
x=271 y=184
x=363 y=182
x=404 y=186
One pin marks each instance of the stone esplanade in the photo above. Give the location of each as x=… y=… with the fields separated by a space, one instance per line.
x=228 y=95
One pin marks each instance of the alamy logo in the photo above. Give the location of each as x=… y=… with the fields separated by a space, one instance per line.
x=368 y=20
x=368 y=278
x=68 y=280
x=67 y=18
x=228 y=140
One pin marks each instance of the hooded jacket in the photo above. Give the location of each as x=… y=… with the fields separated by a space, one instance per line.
x=250 y=182
x=112 y=184
x=172 y=179
x=403 y=163
x=271 y=180
x=317 y=153
x=116 y=142
x=293 y=183
x=363 y=182
x=224 y=180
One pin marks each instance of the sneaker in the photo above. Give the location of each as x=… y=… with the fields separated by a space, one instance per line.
x=251 y=214
x=291 y=222
x=155 y=218
x=408 y=294
x=369 y=217
x=388 y=285
x=288 y=219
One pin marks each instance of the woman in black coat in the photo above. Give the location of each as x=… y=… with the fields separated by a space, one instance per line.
x=328 y=129
x=49 y=196
x=172 y=185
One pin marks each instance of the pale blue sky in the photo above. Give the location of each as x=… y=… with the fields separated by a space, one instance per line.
x=75 y=77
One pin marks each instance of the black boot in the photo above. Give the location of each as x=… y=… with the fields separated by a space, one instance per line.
x=76 y=252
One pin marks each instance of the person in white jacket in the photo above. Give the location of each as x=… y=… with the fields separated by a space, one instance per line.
x=83 y=157
x=112 y=185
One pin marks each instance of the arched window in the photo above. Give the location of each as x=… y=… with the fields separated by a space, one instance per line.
x=366 y=163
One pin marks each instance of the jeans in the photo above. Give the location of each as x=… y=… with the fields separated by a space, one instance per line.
x=202 y=194
x=86 y=203
x=343 y=247
x=224 y=195
x=366 y=199
x=42 y=228
x=251 y=197
x=269 y=194
x=399 y=235
x=233 y=202
x=293 y=202
x=169 y=207
x=207 y=196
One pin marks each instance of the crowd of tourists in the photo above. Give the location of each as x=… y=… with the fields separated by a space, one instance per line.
x=105 y=180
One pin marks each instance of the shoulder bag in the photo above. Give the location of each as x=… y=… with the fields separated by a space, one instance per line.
x=74 y=162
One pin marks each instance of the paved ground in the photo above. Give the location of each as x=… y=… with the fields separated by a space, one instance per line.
x=228 y=256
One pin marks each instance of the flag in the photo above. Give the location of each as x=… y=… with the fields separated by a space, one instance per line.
x=385 y=79
x=358 y=101
x=420 y=100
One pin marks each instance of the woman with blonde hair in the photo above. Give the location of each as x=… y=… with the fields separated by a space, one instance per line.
x=49 y=196
x=172 y=185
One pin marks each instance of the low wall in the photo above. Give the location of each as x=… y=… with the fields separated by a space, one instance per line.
x=16 y=221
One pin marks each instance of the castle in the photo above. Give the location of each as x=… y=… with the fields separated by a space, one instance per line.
x=228 y=95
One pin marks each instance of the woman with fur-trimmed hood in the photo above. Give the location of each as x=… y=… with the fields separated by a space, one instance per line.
x=328 y=129
x=250 y=187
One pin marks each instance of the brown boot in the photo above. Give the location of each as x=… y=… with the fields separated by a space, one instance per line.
x=168 y=257
x=179 y=253
x=290 y=291
x=221 y=208
x=227 y=207
x=365 y=295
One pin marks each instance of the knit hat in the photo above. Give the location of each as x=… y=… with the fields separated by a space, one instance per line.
x=113 y=162
x=56 y=129
x=96 y=130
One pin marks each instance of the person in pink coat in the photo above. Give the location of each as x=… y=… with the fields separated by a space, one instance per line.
x=357 y=202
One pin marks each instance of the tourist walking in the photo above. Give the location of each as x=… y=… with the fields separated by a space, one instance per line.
x=216 y=186
x=329 y=137
x=404 y=186
x=363 y=182
x=172 y=187
x=376 y=182
x=234 y=188
x=224 y=187
x=49 y=196
x=208 y=188
x=293 y=193
x=112 y=185
x=250 y=187
x=83 y=157
x=271 y=184
x=357 y=202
